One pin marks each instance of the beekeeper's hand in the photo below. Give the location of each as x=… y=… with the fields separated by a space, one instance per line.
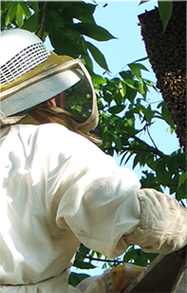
x=163 y=223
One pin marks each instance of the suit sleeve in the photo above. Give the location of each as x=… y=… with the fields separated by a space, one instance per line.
x=97 y=200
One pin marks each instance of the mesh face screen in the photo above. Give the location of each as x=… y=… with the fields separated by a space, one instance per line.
x=23 y=62
x=78 y=100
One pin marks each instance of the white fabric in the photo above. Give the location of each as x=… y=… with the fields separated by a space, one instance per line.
x=57 y=189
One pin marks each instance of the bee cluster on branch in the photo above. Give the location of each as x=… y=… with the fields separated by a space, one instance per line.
x=167 y=54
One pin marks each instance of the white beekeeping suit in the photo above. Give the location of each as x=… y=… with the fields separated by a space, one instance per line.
x=57 y=188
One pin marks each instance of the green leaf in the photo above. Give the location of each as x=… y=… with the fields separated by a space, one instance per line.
x=19 y=16
x=31 y=24
x=11 y=13
x=150 y=180
x=34 y=6
x=116 y=109
x=118 y=142
x=149 y=114
x=167 y=115
x=181 y=192
x=75 y=279
x=183 y=178
x=129 y=255
x=150 y=84
x=97 y=55
x=136 y=69
x=140 y=87
x=165 y=9
x=88 y=62
x=126 y=75
x=83 y=265
x=122 y=88
x=135 y=161
x=19 y=11
x=130 y=94
x=98 y=80
x=25 y=10
x=141 y=59
x=82 y=11
x=143 y=1
x=128 y=79
x=94 y=31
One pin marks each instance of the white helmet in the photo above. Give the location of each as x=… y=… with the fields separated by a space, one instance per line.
x=20 y=52
x=30 y=75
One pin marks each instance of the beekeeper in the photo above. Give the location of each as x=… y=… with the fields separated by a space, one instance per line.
x=57 y=188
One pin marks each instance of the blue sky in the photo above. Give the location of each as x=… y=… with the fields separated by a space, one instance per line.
x=120 y=18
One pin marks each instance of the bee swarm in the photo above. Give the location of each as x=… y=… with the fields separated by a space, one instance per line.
x=167 y=55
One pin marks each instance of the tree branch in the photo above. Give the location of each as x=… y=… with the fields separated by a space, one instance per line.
x=104 y=260
x=147 y=128
x=147 y=148
x=41 y=26
x=154 y=150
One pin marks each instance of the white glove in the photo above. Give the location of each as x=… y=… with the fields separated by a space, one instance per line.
x=163 y=223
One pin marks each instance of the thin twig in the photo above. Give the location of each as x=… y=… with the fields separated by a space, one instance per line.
x=147 y=128
x=148 y=148
x=156 y=151
x=41 y=26
x=104 y=260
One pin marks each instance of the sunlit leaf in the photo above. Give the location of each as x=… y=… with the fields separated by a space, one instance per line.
x=24 y=9
x=136 y=68
x=11 y=13
x=122 y=88
x=19 y=16
x=98 y=80
x=140 y=87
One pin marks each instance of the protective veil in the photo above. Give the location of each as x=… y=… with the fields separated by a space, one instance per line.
x=43 y=75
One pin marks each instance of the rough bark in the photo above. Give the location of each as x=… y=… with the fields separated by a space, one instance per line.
x=167 y=55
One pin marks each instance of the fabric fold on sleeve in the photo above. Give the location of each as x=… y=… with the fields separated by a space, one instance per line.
x=99 y=202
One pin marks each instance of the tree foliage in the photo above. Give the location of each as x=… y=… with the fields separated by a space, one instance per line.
x=124 y=110
x=71 y=23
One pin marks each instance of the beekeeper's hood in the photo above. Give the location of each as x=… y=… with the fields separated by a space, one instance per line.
x=30 y=75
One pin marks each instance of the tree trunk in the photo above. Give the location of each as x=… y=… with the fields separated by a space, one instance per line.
x=167 y=55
